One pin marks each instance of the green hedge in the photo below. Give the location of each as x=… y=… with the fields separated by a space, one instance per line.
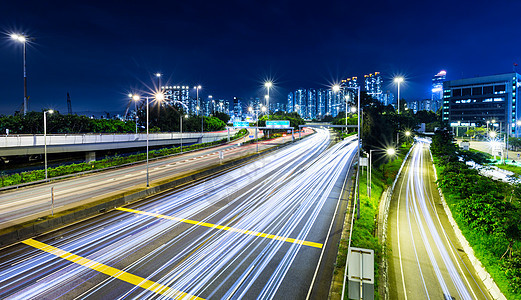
x=30 y=176
x=487 y=212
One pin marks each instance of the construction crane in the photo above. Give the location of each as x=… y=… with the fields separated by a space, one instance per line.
x=69 y=105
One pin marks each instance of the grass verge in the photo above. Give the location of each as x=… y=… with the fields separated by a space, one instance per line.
x=365 y=228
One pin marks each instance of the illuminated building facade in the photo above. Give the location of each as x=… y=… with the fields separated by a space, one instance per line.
x=437 y=90
x=474 y=101
x=373 y=85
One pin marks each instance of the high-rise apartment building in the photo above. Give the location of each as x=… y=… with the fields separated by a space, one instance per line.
x=237 y=108
x=321 y=103
x=312 y=104
x=291 y=102
x=178 y=93
x=301 y=102
x=373 y=85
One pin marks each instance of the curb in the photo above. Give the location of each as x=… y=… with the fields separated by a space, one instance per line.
x=490 y=284
x=383 y=214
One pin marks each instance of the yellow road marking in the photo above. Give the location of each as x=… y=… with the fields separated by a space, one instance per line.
x=110 y=271
x=221 y=227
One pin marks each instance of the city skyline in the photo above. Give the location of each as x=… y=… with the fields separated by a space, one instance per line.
x=100 y=53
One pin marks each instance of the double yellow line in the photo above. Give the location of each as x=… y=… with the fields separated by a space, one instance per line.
x=143 y=282
x=110 y=271
x=221 y=227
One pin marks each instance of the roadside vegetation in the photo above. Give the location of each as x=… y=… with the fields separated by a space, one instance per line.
x=365 y=229
x=36 y=175
x=161 y=119
x=487 y=211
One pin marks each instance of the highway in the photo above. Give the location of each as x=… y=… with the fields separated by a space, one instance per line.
x=17 y=206
x=427 y=261
x=258 y=231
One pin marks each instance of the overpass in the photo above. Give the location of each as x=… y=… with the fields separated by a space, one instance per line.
x=21 y=145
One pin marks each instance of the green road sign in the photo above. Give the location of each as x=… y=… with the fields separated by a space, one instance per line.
x=241 y=124
x=277 y=124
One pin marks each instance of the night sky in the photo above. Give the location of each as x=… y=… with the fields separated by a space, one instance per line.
x=100 y=51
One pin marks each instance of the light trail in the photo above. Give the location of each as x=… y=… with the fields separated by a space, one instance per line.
x=286 y=193
x=416 y=204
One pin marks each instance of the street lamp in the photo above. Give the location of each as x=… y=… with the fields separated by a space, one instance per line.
x=158 y=75
x=197 y=88
x=23 y=39
x=336 y=88
x=136 y=99
x=389 y=152
x=45 y=137
x=398 y=80
x=158 y=97
x=268 y=85
x=180 y=118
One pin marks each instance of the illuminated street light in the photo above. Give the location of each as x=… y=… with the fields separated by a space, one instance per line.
x=158 y=75
x=407 y=133
x=389 y=152
x=336 y=88
x=268 y=85
x=45 y=137
x=136 y=99
x=353 y=109
x=23 y=39
x=398 y=81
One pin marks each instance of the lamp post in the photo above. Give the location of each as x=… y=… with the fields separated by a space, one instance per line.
x=268 y=85
x=336 y=89
x=181 y=118
x=157 y=97
x=398 y=80
x=23 y=39
x=136 y=99
x=45 y=138
x=158 y=75
x=347 y=98
x=197 y=88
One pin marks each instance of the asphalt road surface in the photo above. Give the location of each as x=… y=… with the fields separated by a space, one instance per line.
x=427 y=261
x=17 y=206
x=258 y=231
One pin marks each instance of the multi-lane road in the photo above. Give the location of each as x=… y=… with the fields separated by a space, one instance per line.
x=17 y=206
x=427 y=261
x=263 y=230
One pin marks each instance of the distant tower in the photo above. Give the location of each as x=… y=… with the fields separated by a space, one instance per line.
x=437 y=89
x=291 y=102
x=69 y=105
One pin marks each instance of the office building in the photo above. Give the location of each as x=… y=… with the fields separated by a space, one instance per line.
x=476 y=101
